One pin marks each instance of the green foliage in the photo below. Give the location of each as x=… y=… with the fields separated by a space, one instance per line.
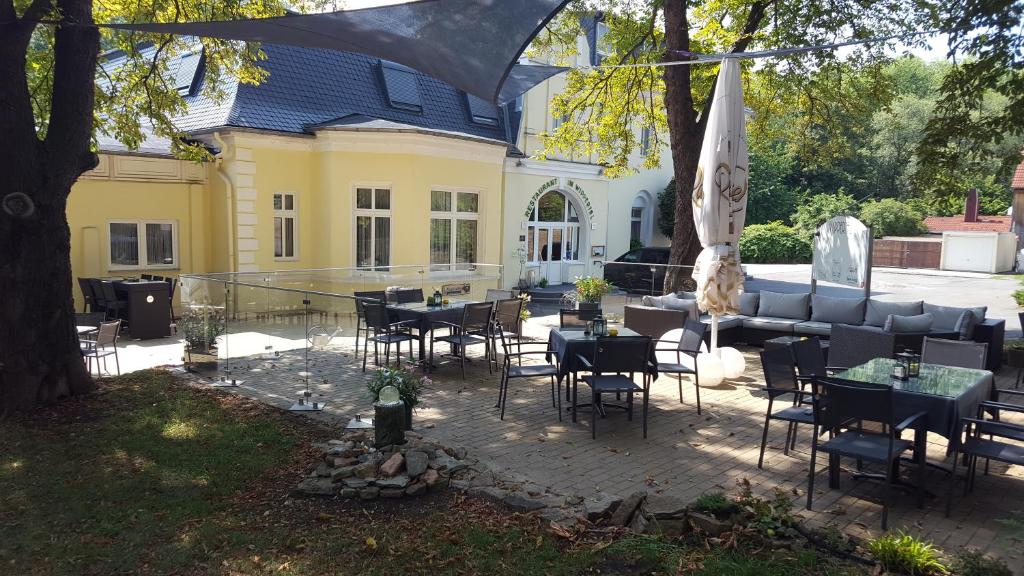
x=201 y=326
x=971 y=562
x=890 y=217
x=591 y=288
x=410 y=387
x=716 y=504
x=770 y=518
x=635 y=244
x=902 y=553
x=667 y=209
x=1018 y=297
x=773 y=243
x=543 y=283
x=772 y=192
x=820 y=208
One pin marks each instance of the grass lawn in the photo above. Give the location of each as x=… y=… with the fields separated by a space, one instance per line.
x=149 y=476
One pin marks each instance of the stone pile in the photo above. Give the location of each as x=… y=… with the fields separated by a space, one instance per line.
x=352 y=468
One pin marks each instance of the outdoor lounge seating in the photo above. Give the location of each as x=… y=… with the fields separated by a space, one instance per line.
x=764 y=315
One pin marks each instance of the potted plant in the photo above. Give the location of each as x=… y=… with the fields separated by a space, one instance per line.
x=713 y=513
x=200 y=328
x=1013 y=352
x=590 y=290
x=524 y=314
x=543 y=283
x=409 y=386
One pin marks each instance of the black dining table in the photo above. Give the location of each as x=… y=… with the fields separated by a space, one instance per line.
x=945 y=393
x=422 y=317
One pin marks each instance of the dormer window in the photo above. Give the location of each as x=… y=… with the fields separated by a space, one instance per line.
x=481 y=112
x=187 y=74
x=402 y=86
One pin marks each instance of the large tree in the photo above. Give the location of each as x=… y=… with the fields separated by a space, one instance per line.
x=52 y=101
x=602 y=105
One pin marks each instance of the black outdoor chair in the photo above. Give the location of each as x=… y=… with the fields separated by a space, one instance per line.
x=409 y=296
x=613 y=357
x=688 y=346
x=510 y=371
x=962 y=354
x=810 y=361
x=112 y=305
x=380 y=330
x=104 y=346
x=1009 y=447
x=88 y=303
x=374 y=296
x=99 y=303
x=839 y=403
x=576 y=319
x=781 y=380
x=854 y=345
x=146 y=276
x=474 y=329
x=172 y=285
x=506 y=325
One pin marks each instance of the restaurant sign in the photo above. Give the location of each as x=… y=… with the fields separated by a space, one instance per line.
x=553 y=184
x=842 y=247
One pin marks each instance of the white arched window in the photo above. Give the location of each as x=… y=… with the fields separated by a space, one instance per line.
x=554 y=232
x=641 y=219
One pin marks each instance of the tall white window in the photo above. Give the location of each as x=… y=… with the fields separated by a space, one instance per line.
x=645 y=141
x=373 y=227
x=142 y=244
x=453 y=224
x=641 y=220
x=286 y=219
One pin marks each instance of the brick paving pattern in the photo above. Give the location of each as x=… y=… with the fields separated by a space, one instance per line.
x=683 y=456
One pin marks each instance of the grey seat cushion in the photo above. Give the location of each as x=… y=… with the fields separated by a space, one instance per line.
x=749 y=302
x=814 y=328
x=784 y=325
x=779 y=305
x=724 y=322
x=878 y=312
x=686 y=295
x=838 y=310
x=954 y=319
x=921 y=323
x=681 y=304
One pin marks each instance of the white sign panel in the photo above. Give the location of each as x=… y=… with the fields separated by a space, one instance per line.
x=841 y=250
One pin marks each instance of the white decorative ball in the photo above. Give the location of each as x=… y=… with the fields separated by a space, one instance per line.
x=735 y=363
x=665 y=356
x=710 y=369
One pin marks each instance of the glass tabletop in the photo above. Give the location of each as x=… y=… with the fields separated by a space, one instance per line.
x=576 y=335
x=948 y=381
x=422 y=306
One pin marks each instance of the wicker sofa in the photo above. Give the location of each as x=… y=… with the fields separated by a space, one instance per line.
x=765 y=315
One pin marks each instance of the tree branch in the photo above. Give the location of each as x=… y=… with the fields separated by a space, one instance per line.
x=36 y=10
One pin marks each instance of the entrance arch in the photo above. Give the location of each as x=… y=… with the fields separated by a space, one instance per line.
x=555 y=234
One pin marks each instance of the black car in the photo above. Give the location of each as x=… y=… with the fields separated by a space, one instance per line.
x=632 y=271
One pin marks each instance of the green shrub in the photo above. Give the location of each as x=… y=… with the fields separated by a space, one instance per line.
x=1018 y=295
x=820 y=208
x=773 y=243
x=902 y=553
x=716 y=504
x=890 y=217
x=971 y=562
x=667 y=209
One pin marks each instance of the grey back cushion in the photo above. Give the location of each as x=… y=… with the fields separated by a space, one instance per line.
x=953 y=319
x=778 y=305
x=748 y=303
x=686 y=295
x=837 y=310
x=878 y=312
x=908 y=324
x=684 y=304
x=654 y=301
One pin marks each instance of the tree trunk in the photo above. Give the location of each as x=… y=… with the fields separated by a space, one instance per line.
x=686 y=134
x=39 y=354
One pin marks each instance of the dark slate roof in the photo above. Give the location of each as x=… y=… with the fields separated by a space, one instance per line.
x=308 y=87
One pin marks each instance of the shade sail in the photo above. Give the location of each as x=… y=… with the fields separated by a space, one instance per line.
x=473 y=45
x=720 y=196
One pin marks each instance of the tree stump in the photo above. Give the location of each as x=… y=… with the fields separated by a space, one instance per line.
x=389 y=423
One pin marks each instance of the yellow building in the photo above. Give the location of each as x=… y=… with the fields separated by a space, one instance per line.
x=340 y=160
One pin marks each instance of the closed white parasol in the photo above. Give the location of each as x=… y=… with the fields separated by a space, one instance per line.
x=720 y=203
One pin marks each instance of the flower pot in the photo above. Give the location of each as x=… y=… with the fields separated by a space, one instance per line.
x=408 y=416
x=201 y=359
x=588 y=305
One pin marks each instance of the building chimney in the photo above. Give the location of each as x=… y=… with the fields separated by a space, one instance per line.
x=971 y=206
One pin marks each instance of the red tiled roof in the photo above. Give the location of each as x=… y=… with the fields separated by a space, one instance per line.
x=1018 y=177
x=940 y=224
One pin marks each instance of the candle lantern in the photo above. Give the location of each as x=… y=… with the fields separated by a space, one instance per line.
x=901 y=370
x=600 y=326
